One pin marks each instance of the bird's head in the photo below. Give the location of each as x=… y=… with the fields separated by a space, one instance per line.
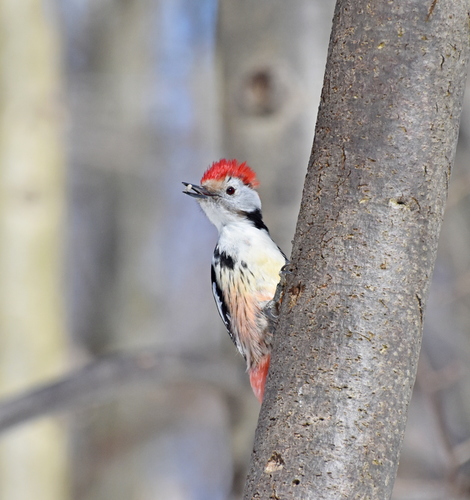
x=227 y=193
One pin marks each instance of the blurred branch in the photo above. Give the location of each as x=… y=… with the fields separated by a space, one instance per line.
x=432 y=383
x=458 y=292
x=462 y=452
x=429 y=489
x=108 y=376
x=458 y=191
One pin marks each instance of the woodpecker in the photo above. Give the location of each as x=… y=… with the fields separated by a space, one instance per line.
x=246 y=262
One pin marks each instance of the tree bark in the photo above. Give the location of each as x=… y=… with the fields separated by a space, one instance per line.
x=349 y=334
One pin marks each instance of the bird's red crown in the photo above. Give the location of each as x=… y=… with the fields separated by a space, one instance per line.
x=223 y=168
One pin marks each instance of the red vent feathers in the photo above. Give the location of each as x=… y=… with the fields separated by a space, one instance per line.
x=223 y=168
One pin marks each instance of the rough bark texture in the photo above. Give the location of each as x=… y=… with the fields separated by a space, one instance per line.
x=348 y=340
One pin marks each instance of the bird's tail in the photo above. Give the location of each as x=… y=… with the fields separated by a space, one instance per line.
x=258 y=376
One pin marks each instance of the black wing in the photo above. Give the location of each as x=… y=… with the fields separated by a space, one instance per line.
x=220 y=303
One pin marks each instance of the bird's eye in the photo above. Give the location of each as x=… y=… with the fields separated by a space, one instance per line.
x=230 y=190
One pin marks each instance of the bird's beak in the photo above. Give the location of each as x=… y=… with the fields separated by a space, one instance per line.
x=199 y=192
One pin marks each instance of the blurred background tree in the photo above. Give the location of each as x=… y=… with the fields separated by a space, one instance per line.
x=152 y=93
x=33 y=458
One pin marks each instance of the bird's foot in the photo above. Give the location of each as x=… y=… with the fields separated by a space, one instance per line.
x=273 y=307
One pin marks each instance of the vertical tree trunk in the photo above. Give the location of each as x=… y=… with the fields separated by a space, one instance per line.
x=348 y=340
x=32 y=458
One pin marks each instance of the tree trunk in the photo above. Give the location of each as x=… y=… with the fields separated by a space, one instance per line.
x=349 y=334
x=32 y=332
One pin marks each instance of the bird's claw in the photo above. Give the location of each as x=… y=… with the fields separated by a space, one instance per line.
x=285 y=270
x=273 y=307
